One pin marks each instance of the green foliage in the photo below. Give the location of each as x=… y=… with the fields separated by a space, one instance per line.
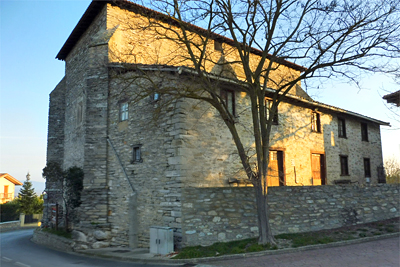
x=53 y=172
x=27 y=198
x=10 y=211
x=73 y=186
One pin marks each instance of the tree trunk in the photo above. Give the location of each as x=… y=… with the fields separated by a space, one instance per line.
x=265 y=233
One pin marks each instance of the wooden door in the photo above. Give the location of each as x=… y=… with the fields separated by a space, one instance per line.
x=318 y=169
x=275 y=169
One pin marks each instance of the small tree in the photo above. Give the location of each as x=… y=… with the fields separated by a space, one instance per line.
x=27 y=197
x=70 y=184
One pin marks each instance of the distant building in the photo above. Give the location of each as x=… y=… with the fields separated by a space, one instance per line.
x=7 y=187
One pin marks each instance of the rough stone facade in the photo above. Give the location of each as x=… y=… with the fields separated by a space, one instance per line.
x=187 y=157
x=224 y=214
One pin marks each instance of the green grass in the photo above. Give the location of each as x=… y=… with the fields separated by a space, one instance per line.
x=306 y=239
x=60 y=232
x=220 y=248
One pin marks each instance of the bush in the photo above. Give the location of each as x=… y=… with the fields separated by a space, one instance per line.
x=9 y=211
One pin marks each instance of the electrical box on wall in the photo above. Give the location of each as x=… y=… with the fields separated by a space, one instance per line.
x=161 y=240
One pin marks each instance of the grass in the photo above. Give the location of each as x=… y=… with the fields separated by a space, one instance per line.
x=293 y=240
x=60 y=232
x=222 y=248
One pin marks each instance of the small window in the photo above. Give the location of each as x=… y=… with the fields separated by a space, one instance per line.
x=344 y=166
x=342 y=127
x=316 y=122
x=217 y=46
x=123 y=111
x=367 y=167
x=268 y=106
x=364 y=132
x=156 y=96
x=137 y=153
x=228 y=96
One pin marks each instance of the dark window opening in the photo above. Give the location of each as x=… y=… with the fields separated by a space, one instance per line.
x=342 y=127
x=217 y=46
x=316 y=122
x=364 y=132
x=367 y=167
x=344 y=166
x=228 y=96
x=268 y=106
x=137 y=153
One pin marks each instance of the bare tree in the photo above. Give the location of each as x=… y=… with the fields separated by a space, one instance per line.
x=257 y=41
x=392 y=169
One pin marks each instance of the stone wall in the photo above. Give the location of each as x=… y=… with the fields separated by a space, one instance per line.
x=224 y=214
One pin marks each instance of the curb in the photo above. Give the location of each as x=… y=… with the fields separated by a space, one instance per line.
x=240 y=256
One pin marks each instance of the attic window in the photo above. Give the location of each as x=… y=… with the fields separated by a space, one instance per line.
x=364 y=132
x=342 y=127
x=217 y=46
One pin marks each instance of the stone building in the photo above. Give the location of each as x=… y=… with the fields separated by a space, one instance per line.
x=139 y=167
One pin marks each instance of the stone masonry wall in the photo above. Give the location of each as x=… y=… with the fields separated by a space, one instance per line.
x=224 y=214
x=156 y=178
x=211 y=158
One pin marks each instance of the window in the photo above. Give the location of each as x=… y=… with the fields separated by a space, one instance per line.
x=364 y=132
x=344 y=166
x=228 y=96
x=367 y=167
x=268 y=106
x=316 y=122
x=137 y=153
x=123 y=111
x=342 y=127
x=155 y=96
x=217 y=46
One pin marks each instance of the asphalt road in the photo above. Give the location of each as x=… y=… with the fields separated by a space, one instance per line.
x=18 y=250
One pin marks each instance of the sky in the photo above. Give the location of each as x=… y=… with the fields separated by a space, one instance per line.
x=32 y=33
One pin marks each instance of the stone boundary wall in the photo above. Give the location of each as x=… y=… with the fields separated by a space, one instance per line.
x=53 y=241
x=9 y=225
x=224 y=214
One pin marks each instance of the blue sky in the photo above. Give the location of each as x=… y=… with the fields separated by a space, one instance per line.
x=32 y=33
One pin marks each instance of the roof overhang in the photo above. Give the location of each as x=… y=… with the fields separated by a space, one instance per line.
x=293 y=98
x=393 y=98
x=10 y=178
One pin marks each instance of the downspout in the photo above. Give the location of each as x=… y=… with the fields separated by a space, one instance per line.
x=133 y=232
x=120 y=163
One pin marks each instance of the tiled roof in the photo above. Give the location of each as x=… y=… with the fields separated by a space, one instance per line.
x=10 y=178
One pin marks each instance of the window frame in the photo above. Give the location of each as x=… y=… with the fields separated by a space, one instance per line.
x=342 y=127
x=267 y=105
x=123 y=113
x=316 y=122
x=344 y=165
x=224 y=96
x=367 y=167
x=364 y=131
x=137 y=149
